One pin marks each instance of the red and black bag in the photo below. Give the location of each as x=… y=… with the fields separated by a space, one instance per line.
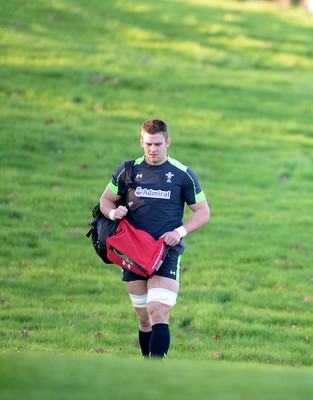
x=101 y=226
x=135 y=250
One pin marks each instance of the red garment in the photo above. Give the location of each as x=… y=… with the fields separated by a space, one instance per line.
x=135 y=250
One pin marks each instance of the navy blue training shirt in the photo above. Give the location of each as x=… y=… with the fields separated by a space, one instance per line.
x=159 y=196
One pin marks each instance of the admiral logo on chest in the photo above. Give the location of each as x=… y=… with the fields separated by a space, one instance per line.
x=156 y=194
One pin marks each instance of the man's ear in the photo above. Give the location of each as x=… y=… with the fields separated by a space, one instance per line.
x=168 y=143
x=141 y=141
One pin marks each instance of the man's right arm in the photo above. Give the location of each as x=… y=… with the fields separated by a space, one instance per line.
x=108 y=205
x=108 y=202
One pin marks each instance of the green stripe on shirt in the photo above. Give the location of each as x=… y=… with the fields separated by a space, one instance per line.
x=113 y=188
x=200 y=197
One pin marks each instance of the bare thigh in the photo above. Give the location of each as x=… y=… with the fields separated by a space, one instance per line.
x=137 y=287
x=163 y=283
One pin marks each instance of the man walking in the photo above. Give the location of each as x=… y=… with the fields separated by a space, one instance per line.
x=162 y=187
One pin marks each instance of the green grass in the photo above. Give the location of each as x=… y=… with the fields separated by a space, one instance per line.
x=51 y=377
x=234 y=82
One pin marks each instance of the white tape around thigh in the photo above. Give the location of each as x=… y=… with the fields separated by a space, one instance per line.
x=139 y=301
x=164 y=296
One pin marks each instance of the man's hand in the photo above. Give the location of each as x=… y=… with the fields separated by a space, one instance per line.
x=171 y=238
x=121 y=211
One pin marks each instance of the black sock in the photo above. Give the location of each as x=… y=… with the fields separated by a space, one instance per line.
x=160 y=340
x=144 y=340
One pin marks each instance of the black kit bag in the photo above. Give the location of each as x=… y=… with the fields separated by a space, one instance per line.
x=103 y=227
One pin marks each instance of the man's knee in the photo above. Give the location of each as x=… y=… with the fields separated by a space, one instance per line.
x=144 y=323
x=140 y=306
x=158 y=313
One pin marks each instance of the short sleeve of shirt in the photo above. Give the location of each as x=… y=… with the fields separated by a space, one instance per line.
x=192 y=191
x=117 y=183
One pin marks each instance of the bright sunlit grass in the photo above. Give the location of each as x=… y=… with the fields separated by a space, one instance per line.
x=234 y=82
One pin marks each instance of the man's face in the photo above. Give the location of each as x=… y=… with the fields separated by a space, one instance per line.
x=155 y=147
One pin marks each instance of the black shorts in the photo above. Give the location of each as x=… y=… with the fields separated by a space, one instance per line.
x=170 y=268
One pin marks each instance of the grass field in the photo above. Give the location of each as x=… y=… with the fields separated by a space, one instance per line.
x=82 y=377
x=234 y=82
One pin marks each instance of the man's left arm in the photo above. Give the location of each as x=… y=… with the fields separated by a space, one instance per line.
x=200 y=216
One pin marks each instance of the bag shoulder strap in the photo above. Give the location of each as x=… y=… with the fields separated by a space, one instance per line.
x=129 y=166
